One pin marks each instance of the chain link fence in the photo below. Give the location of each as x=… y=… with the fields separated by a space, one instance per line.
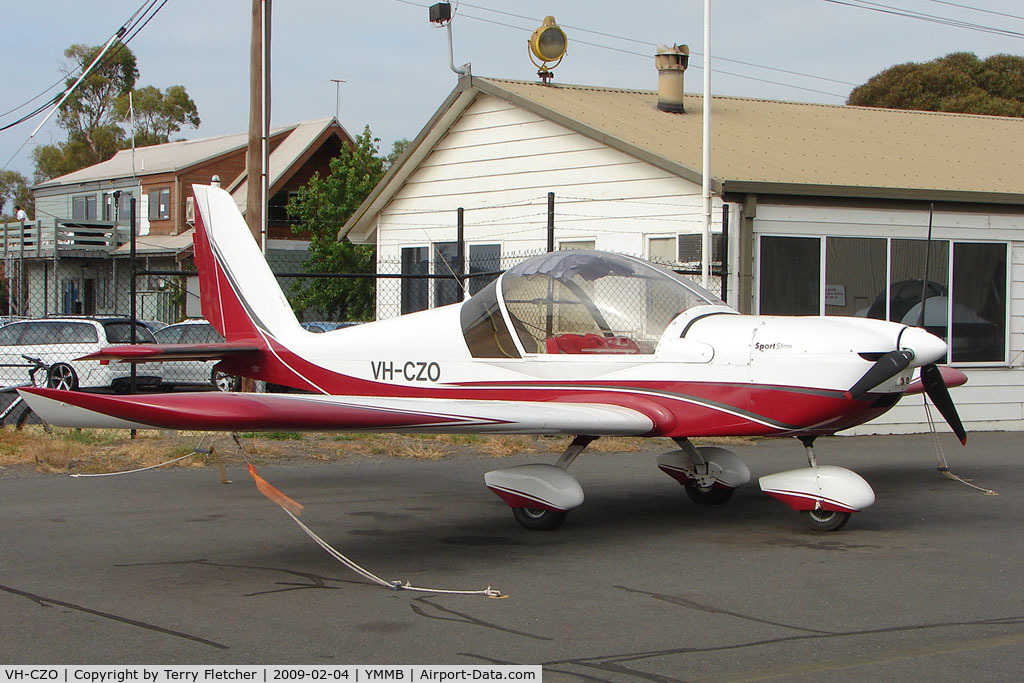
x=65 y=292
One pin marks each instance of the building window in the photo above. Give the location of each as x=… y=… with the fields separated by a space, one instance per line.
x=690 y=248
x=415 y=261
x=446 y=264
x=277 y=207
x=789 y=276
x=661 y=250
x=83 y=208
x=881 y=278
x=576 y=244
x=483 y=258
x=124 y=207
x=160 y=204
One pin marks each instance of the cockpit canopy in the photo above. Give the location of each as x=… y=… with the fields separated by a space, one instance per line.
x=577 y=302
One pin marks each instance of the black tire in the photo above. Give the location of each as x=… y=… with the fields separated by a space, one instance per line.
x=708 y=495
x=824 y=520
x=536 y=519
x=222 y=381
x=62 y=376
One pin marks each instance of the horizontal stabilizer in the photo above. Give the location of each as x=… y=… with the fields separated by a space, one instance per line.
x=141 y=353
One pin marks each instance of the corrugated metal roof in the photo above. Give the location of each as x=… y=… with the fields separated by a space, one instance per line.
x=283 y=156
x=788 y=143
x=167 y=158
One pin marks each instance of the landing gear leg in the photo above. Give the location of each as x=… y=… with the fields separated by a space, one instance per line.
x=820 y=519
x=708 y=474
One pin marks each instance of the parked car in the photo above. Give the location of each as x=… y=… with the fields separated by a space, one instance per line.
x=59 y=341
x=192 y=373
x=325 y=325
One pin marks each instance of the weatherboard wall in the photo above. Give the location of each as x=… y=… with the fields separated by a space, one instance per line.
x=499 y=162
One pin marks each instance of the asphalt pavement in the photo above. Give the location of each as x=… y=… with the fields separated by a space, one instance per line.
x=173 y=567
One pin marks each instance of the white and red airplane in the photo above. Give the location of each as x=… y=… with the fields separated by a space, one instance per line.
x=582 y=343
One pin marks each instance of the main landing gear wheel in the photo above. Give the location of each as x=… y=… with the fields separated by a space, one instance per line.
x=708 y=495
x=536 y=519
x=824 y=520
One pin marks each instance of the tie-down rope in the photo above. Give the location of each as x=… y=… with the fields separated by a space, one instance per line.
x=941 y=455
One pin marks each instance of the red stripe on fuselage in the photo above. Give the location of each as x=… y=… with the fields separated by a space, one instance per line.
x=677 y=408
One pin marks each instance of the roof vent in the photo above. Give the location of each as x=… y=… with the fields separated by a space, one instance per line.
x=671 y=63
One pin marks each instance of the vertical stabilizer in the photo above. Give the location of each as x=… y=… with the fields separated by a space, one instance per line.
x=239 y=294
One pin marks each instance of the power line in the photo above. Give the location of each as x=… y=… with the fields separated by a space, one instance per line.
x=977 y=9
x=922 y=16
x=650 y=44
x=648 y=56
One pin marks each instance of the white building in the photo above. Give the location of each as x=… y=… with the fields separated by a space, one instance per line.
x=824 y=210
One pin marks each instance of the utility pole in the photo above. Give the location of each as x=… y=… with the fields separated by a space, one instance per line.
x=259 y=105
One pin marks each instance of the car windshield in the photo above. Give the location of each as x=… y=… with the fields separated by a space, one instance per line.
x=579 y=302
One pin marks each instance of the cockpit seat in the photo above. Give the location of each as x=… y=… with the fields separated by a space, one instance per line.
x=590 y=343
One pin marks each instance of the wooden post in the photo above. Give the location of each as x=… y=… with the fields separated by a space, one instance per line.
x=254 y=153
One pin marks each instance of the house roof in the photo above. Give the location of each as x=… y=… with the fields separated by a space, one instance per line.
x=296 y=146
x=761 y=146
x=173 y=157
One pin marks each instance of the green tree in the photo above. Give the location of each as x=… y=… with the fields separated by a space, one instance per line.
x=14 y=189
x=94 y=116
x=322 y=207
x=158 y=115
x=958 y=82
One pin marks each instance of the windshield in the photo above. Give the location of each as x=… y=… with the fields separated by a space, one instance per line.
x=590 y=302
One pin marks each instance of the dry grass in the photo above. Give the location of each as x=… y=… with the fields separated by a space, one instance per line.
x=67 y=451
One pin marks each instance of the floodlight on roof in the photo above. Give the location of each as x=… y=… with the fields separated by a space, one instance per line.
x=548 y=44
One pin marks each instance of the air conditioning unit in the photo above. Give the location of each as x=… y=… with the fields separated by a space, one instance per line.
x=190 y=210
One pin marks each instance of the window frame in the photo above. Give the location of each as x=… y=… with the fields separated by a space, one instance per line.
x=952 y=243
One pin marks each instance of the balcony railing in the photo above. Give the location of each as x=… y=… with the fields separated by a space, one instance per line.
x=60 y=238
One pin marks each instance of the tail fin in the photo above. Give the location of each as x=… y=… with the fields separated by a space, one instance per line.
x=240 y=295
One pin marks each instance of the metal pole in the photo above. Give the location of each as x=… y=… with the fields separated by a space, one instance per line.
x=132 y=288
x=461 y=251
x=705 y=247
x=551 y=222
x=56 y=266
x=21 y=271
x=337 y=94
x=265 y=162
x=723 y=276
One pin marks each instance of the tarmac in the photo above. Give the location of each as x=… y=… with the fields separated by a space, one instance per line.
x=640 y=584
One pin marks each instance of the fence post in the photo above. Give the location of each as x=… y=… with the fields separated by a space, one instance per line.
x=56 y=269
x=723 y=273
x=461 y=251
x=551 y=222
x=131 y=269
x=22 y=299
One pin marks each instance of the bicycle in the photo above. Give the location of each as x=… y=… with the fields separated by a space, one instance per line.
x=35 y=365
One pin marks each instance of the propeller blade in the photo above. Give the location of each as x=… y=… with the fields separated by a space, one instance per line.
x=886 y=367
x=936 y=389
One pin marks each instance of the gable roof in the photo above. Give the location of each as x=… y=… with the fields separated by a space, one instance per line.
x=174 y=157
x=760 y=146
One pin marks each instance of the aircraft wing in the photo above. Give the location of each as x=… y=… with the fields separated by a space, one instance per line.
x=140 y=353
x=220 y=411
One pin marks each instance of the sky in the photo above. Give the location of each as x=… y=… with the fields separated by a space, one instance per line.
x=395 y=62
